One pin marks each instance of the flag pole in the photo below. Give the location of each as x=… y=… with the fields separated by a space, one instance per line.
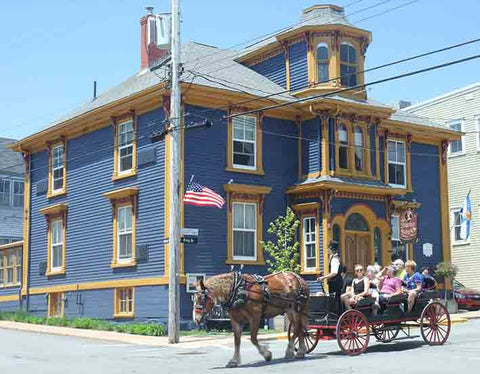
x=191 y=179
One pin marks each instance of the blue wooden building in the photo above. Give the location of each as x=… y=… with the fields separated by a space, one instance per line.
x=96 y=186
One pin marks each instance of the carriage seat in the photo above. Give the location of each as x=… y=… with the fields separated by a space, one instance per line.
x=428 y=295
x=398 y=299
x=366 y=302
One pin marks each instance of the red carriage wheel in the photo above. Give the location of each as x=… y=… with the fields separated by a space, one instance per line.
x=435 y=324
x=353 y=332
x=312 y=336
x=385 y=333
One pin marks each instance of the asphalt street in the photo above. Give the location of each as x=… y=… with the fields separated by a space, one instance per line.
x=23 y=352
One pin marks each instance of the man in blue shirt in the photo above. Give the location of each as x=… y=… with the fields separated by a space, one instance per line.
x=413 y=283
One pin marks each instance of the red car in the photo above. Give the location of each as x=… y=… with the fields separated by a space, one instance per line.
x=467 y=298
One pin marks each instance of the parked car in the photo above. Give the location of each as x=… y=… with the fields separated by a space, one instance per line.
x=467 y=298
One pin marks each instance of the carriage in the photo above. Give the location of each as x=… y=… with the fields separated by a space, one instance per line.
x=352 y=328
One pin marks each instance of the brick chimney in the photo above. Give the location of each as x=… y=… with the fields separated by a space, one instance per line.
x=149 y=51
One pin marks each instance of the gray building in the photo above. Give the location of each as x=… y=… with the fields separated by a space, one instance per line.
x=11 y=193
x=460 y=110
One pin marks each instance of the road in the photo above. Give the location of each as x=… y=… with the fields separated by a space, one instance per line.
x=24 y=352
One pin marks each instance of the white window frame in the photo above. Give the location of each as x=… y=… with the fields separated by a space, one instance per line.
x=11 y=195
x=453 y=211
x=16 y=194
x=121 y=147
x=462 y=140
x=254 y=142
x=127 y=231
x=9 y=183
x=477 y=119
x=307 y=242
x=397 y=163
x=397 y=239
x=53 y=244
x=62 y=167
x=254 y=230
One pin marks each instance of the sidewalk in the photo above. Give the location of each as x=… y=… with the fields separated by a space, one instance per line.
x=162 y=341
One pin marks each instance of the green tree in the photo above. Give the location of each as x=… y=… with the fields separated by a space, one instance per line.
x=447 y=271
x=284 y=249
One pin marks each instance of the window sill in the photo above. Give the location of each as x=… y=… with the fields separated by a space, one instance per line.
x=453 y=155
x=246 y=171
x=117 y=177
x=350 y=174
x=245 y=262
x=61 y=192
x=123 y=315
x=310 y=272
x=10 y=285
x=51 y=273
x=460 y=243
x=131 y=263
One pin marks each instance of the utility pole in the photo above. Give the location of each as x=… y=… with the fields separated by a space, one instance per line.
x=175 y=207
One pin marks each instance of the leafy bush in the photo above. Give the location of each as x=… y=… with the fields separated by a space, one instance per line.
x=150 y=329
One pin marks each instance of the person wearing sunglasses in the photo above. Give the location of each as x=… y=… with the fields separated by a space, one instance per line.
x=360 y=288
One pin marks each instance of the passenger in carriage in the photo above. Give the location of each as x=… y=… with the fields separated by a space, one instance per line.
x=414 y=283
x=429 y=282
x=400 y=266
x=389 y=285
x=373 y=280
x=360 y=288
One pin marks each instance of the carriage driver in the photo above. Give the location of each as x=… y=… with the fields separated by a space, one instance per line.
x=334 y=278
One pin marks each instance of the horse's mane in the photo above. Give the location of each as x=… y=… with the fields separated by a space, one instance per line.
x=220 y=285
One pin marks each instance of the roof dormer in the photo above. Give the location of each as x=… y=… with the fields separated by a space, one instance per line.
x=323 y=52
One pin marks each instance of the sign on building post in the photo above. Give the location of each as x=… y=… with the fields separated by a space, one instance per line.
x=408 y=226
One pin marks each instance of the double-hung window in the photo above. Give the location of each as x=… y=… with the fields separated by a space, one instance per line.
x=397 y=164
x=58 y=169
x=309 y=243
x=399 y=250
x=348 y=65
x=124 y=302
x=244 y=142
x=322 y=63
x=359 y=149
x=457 y=147
x=124 y=233
x=343 y=146
x=456 y=229
x=5 y=192
x=56 y=245
x=125 y=147
x=244 y=231
x=18 y=190
x=10 y=267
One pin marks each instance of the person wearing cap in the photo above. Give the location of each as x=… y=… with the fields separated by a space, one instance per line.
x=334 y=278
x=400 y=266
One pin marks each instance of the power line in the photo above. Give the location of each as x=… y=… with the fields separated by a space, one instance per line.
x=396 y=77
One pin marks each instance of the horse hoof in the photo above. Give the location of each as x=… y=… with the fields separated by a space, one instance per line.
x=232 y=364
x=300 y=355
x=268 y=357
x=289 y=355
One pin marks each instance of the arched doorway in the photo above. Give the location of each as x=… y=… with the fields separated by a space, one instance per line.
x=357 y=242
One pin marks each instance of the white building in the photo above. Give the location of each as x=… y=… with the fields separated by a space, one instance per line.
x=460 y=109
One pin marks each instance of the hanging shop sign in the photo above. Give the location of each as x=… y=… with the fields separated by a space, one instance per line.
x=408 y=226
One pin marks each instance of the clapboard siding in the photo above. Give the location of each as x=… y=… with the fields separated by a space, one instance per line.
x=298 y=66
x=89 y=238
x=273 y=68
x=463 y=172
x=311 y=146
x=205 y=157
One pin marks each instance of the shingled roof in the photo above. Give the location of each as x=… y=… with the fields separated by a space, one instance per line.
x=10 y=162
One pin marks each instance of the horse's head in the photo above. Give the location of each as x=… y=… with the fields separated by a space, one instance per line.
x=203 y=303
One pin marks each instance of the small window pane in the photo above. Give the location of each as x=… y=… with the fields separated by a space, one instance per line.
x=250 y=216
x=342 y=134
x=322 y=52
x=238 y=216
x=4 y=192
x=356 y=222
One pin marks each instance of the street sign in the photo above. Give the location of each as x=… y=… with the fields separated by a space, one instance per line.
x=189 y=240
x=189 y=232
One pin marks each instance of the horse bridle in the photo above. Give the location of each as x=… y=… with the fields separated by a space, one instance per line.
x=206 y=298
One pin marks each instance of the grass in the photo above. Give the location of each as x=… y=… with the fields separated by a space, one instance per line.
x=149 y=329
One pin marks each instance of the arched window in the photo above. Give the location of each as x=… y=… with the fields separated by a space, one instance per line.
x=342 y=146
x=322 y=63
x=356 y=222
x=348 y=65
x=359 y=148
x=377 y=244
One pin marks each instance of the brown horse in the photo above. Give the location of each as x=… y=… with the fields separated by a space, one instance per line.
x=249 y=301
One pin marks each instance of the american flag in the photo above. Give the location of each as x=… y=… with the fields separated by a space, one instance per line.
x=197 y=194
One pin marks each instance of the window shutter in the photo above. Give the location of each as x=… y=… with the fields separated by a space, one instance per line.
x=42 y=268
x=143 y=253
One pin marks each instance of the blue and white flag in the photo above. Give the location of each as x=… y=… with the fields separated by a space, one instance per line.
x=466 y=218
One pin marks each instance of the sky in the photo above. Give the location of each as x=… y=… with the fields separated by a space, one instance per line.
x=51 y=51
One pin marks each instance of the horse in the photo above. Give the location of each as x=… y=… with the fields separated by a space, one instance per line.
x=250 y=299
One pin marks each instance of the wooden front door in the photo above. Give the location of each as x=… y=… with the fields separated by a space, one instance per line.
x=357 y=250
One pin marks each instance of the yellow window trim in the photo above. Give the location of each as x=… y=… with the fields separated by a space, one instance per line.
x=50 y=309
x=307 y=210
x=408 y=173
x=258 y=146
x=116 y=302
x=117 y=121
x=118 y=199
x=54 y=213
x=63 y=190
x=240 y=193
